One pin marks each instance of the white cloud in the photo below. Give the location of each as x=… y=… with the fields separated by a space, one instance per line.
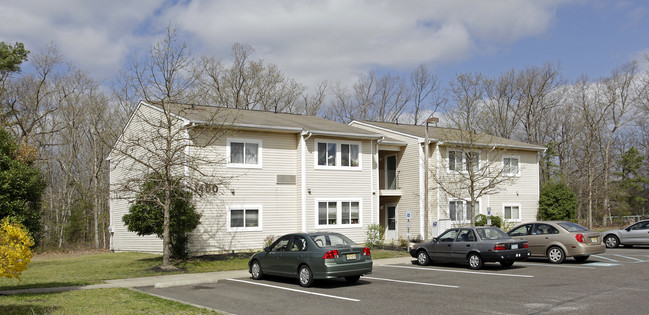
x=309 y=40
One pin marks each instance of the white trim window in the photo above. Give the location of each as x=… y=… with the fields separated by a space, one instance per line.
x=458 y=161
x=338 y=213
x=244 y=218
x=338 y=154
x=512 y=213
x=460 y=210
x=511 y=166
x=244 y=153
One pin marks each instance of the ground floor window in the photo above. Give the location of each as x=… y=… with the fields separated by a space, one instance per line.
x=242 y=218
x=460 y=210
x=332 y=213
x=512 y=212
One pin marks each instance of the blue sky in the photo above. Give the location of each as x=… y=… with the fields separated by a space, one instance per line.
x=335 y=40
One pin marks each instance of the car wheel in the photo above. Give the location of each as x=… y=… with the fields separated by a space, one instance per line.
x=556 y=255
x=475 y=262
x=255 y=270
x=506 y=264
x=306 y=276
x=581 y=259
x=423 y=258
x=352 y=279
x=611 y=241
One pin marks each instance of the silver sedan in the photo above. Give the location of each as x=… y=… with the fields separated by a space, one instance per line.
x=634 y=234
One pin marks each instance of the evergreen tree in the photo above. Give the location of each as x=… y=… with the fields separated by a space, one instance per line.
x=557 y=202
x=146 y=216
x=21 y=187
x=631 y=187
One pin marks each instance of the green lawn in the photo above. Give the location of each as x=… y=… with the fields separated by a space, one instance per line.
x=88 y=269
x=94 y=268
x=77 y=270
x=97 y=301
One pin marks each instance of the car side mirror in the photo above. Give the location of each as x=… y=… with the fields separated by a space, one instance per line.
x=434 y=240
x=628 y=229
x=267 y=249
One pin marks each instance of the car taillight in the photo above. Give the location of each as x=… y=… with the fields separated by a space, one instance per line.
x=332 y=254
x=525 y=245
x=499 y=247
x=580 y=238
x=366 y=251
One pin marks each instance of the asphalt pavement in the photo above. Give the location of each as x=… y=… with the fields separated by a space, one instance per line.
x=167 y=281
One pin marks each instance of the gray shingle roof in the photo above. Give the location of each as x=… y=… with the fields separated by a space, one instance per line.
x=263 y=120
x=450 y=135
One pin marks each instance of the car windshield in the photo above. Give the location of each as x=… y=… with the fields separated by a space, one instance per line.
x=572 y=227
x=323 y=240
x=492 y=234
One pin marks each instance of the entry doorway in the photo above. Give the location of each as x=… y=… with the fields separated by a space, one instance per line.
x=391 y=222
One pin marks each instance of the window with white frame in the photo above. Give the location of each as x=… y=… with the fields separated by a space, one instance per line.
x=460 y=161
x=512 y=212
x=460 y=210
x=338 y=213
x=338 y=154
x=242 y=218
x=244 y=153
x=510 y=165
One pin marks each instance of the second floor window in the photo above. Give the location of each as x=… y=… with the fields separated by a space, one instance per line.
x=510 y=165
x=244 y=153
x=460 y=161
x=338 y=154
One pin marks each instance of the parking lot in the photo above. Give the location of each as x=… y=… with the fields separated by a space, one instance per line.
x=613 y=282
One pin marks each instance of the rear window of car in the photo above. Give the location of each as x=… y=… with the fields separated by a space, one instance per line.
x=322 y=240
x=572 y=227
x=492 y=234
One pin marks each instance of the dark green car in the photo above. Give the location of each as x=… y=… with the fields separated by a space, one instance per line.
x=310 y=256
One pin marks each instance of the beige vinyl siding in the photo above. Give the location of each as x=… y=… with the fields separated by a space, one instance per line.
x=410 y=177
x=409 y=181
x=280 y=203
x=123 y=168
x=340 y=184
x=525 y=192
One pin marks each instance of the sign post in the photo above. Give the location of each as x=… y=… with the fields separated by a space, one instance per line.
x=488 y=216
x=408 y=228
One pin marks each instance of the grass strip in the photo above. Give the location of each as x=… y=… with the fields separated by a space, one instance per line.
x=97 y=301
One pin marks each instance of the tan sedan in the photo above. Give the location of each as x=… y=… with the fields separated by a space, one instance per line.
x=557 y=240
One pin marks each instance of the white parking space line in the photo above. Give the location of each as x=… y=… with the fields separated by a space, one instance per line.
x=603 y=257
x=413 y=282
x=462 y=271
x=627 y=257
x=296 y=290
x=554 y=265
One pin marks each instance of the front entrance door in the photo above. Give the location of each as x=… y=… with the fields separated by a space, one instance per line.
x=391 y=222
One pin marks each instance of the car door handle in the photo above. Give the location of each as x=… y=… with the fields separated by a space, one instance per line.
x=468 y=245
x=449 y=245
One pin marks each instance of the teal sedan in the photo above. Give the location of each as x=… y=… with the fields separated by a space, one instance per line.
x=311 y=256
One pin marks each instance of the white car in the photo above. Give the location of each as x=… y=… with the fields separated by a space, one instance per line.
x=634 y=234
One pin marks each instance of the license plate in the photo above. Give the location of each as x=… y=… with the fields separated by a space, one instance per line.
x=514 y=246
x=593 y=239
x=351 y=256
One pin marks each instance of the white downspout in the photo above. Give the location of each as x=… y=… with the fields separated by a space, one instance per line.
x=303 y=189
x=376 y=189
